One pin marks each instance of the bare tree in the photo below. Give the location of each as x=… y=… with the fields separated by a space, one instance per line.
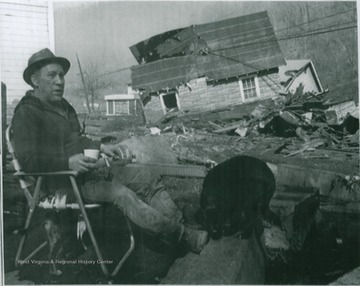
x=84 y=85
x=92 y=84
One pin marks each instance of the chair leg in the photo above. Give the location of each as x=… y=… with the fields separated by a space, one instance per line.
x=129 y=251
x=88 y=225
x=27 y=224
x=41 y=246
x=92 y=236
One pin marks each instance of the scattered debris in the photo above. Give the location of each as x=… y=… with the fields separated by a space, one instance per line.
x=155 y=131
x=307 y=122
x=242 y=131
x=297 y=209
x=336 y=114
x=346 y=188
x=307 y=146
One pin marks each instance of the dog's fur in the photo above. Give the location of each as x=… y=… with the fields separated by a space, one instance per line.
x=235 y=197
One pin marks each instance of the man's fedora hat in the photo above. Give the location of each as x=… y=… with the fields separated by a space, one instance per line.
x=40 y=59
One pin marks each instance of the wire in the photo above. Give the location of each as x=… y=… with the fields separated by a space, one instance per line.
x=258 y=68
x=314 y=20
x=316 y=33
x=116 y=71
x=249 y=65
x=322 y=28
x=309 y=33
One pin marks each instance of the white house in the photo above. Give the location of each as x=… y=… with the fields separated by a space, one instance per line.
x=297 y=72
x=121 y=104
x=26 y=26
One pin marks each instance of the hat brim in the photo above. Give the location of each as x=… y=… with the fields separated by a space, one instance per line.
x=29 y=71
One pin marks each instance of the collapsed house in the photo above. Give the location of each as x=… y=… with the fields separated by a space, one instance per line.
x=233 y=70
x=231 y=62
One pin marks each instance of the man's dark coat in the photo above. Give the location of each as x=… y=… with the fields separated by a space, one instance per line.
x=44 y=137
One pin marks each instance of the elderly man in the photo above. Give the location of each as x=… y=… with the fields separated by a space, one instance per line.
x=47 y=137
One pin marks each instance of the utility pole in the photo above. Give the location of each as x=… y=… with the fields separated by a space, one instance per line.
x=83 y=82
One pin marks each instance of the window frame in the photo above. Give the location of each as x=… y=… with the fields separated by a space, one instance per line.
x=163 y=106
x=113 y=103
x=257 y=88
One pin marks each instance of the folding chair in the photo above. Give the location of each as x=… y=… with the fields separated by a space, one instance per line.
x=57 y=204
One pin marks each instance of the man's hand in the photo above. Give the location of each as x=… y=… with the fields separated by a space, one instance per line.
x=117 y=152
x=81 y=163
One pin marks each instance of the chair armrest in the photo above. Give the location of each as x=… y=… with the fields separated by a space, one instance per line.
x=59 y=173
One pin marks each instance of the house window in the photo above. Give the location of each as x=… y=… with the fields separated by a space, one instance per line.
x=110 y=107
x=121 y=107
x=117 y=107
x=249 y=88
x=169 y=101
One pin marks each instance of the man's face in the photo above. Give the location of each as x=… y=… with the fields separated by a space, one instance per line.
x=50 y=82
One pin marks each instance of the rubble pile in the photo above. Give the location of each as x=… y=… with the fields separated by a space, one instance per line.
x=305 y=120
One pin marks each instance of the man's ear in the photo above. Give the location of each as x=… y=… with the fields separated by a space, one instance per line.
x=34 y=80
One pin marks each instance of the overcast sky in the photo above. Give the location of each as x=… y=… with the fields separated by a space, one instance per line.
x=104 y=31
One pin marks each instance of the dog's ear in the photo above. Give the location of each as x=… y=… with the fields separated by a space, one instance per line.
x=214 y=222
x=200 y=217
x=210 y=203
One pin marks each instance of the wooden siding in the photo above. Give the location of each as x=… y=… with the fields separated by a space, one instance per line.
x=132 y=107
x=163 y=74
x=195 y=98
x=269 y=85
x=201 y=95
x=25 y=28
x=204 y=95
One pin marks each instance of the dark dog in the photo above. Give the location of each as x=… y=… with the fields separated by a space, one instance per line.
x=235 y=197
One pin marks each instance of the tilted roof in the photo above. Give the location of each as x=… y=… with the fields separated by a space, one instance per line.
x=218 y=50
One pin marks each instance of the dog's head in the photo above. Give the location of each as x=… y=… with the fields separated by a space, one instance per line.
x=214 y=222
x=211 y=215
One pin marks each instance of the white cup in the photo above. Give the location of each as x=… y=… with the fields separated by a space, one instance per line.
x=92 y=153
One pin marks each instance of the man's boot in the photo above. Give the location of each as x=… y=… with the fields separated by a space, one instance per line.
x=195 y=239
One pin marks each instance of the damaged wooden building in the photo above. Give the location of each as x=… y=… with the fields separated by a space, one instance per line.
x=233 y=62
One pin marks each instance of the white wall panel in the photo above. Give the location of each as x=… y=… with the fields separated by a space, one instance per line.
x=24 y=30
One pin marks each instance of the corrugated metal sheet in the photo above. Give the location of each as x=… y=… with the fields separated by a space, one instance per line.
x=236 y=46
